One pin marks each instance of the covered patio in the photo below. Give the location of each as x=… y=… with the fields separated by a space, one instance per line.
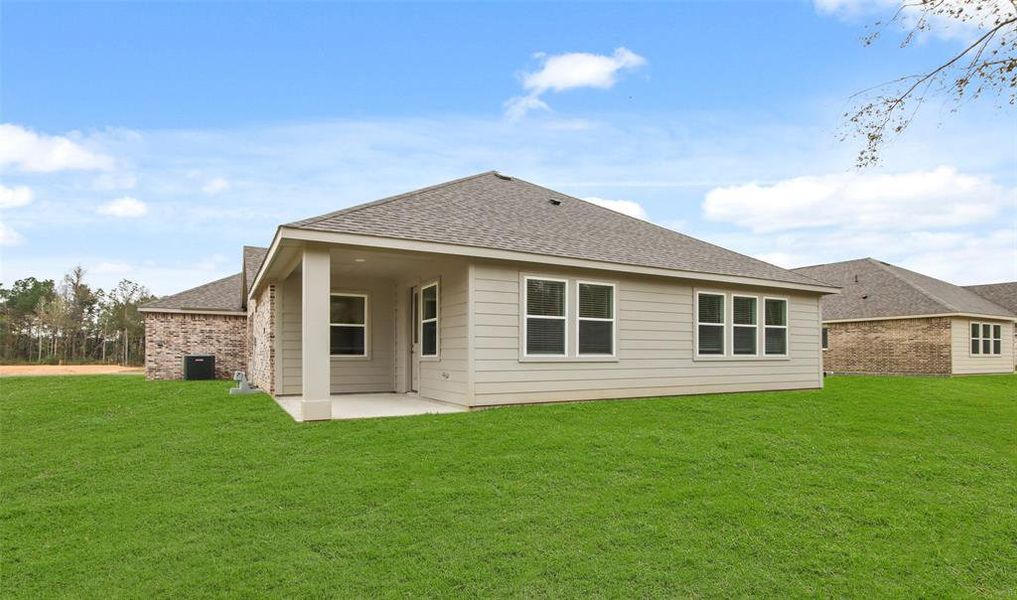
x=362 y=332
x=369 y=406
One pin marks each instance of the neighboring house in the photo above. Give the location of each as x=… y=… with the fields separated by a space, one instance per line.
x=889 y=320
x=489 y=290
x=1003 y=294
x=209 y=319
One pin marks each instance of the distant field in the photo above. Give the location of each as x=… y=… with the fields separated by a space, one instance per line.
x=873 y=487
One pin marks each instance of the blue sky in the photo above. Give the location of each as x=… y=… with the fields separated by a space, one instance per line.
x=151 y=141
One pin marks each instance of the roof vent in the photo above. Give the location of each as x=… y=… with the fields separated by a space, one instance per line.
x=554 y=201
x=865 y=297
x=500 y=176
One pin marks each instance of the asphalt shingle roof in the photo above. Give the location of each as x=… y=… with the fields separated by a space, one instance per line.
x=221 y=294
x=491 y=210
x=228 y=293
x=1003 y=294
x=871 y=288
x=253 y=257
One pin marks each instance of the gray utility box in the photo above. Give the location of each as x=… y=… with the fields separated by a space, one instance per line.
x=199 y=366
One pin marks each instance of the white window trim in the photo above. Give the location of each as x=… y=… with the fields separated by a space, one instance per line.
x=613 y=320
x=527 y=316
x=757 y=326
x=436 y=320
x=786 y=327
x=981 y=338
x=365 y=325
x=724 y=320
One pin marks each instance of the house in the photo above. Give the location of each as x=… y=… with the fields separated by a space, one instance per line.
x=1002 y=294
x=490 y=290
x=889 y=320
x=209 y=319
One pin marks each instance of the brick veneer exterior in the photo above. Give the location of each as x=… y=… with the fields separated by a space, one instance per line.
x=261 y=331
x=890 y=347
x=170 y=336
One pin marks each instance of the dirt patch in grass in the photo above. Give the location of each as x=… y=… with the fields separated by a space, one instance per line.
x=42 y=370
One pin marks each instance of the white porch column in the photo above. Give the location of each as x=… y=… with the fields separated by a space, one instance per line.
x=316 y=403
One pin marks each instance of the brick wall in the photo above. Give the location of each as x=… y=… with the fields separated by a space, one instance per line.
x=261 y=333
x=169 y=336
x=891 y=347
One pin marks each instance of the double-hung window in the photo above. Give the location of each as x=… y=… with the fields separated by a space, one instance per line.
x=775 y=327
x=545 y=317
x=745 y=323
x=986 y=339
x=710 y=321
x=429 y=320
x=348 y=321
x=596 y=319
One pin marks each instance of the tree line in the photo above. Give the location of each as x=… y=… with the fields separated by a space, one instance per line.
x=44 y=321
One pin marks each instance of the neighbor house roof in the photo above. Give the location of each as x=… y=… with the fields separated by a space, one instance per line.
x=494 y=211
x=1003 y=294
x=221 y=295
x=874 y=289
x=253 y=257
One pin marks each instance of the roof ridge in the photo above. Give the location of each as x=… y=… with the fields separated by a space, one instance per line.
x=658 y=226
x=974 y=285
x=930 y=295
x=385 y=200
x=839 y=262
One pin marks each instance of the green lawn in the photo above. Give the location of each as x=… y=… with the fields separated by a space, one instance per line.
x=113 y=486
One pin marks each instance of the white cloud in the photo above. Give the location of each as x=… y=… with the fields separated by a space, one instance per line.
x=112 y=268
x=12 y=197
x=216 y=186
x=625 y=207
x=125 y=207
x=569 y=71
x=114 y=181
x=516 y=108
x=942 y=197
x=29 y=151
x=963 y=257
x=9 y=237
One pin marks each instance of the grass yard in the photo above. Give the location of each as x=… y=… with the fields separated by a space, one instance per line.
x=113 y=486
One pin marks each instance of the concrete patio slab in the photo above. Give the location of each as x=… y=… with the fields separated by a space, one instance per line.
x=369 y=406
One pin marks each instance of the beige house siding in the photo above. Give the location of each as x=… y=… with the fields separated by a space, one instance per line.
x=348 y=375
x=964 y=363
x=890 y=347
x=386 y=369
x=654 y=343
x=446 y=378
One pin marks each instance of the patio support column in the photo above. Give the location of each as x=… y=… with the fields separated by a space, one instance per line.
x=316 y=403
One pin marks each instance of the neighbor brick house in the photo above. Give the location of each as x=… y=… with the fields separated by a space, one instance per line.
x=490 y=290
x=209 y=319
x=889 y=320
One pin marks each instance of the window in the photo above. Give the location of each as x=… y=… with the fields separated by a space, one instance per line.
x=826 y=338
x=745 y=323
x=429 y=320
x=710 y=324
x=348 y=325
x=545 y=317
x=596 y=319
x=775 y=334
x=986 y=339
